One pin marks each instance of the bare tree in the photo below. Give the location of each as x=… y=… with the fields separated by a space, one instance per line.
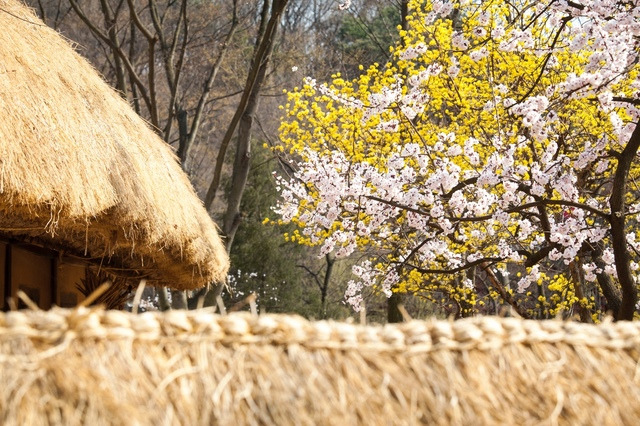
x=242 y=121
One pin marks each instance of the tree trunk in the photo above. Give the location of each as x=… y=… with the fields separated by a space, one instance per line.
x=179 y=299
x=578 y=285
x=618 y=237
x=211 y=296
x=609 y=290
x=242 y=161
x=393 y=312
x=163 y=299
x=331 y=260
x=253 y=84
x=110 y=24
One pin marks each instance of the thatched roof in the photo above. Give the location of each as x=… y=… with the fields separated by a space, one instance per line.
x=80 y=171
x=196 y=368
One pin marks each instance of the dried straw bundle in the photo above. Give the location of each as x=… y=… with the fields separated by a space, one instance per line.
x=81 y=172
x=108 y=367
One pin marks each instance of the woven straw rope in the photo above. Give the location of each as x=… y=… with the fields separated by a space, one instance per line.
x=59 y=326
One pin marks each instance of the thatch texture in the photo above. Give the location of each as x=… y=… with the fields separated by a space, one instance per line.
x=80 y=171
x=195 y=368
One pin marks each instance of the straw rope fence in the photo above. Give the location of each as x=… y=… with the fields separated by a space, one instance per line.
x=91 y=366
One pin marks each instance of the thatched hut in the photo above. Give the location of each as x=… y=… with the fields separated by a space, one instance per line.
x=71 y=367
x=84 y=180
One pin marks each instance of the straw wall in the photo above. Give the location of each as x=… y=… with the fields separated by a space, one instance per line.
x=96 y=367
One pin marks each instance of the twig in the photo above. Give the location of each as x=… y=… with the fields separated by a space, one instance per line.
x=405 y=314
x=96 y=293
x=138 y=296
x=249 y=300
x=223 y=310
x=25 y=299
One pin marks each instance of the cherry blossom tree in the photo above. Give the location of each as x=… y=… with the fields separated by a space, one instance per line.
x=500 y=142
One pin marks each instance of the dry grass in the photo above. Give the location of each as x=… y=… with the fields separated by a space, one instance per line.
x=114 y=297
x=195 y=368
x=80 y=171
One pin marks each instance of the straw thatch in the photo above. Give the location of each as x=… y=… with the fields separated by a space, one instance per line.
x=81 y=172
x=195 y=368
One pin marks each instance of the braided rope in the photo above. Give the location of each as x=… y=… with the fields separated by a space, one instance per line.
x=62 y=325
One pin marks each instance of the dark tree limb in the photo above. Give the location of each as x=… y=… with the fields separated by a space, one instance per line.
x=618 y=234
